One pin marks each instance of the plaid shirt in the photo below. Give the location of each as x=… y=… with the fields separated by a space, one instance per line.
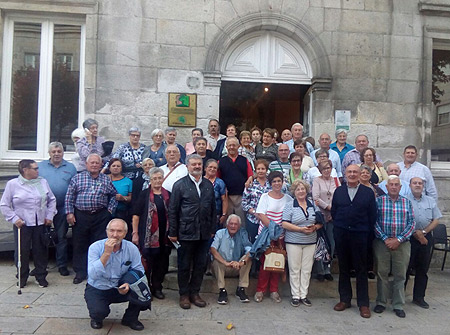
x=89 y=194
x=251 y=196
x=394 y=219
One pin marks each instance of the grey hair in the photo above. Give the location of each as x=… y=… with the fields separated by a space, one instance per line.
x=155 y=170
x=169 y=129
x=78 y=132
x=89 y=122
x=94 y=155
x=193 y=156
x=295 y=125
x=234 y=216
x=365 y=167
x=339 y=131
x=134 y=130
x=322 y=151
x=392 y=177
x=125 y=226
x=231 y=138
x=147 y=159
x=173 y=145
x=55 y=145
x=156 y=132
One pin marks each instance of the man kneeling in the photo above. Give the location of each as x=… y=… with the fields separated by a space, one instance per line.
x=231 y=252
x=108 y=260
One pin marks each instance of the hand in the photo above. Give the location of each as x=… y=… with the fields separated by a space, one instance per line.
x=379 y=164
x=109 y=245
x=124 y=288
x=71 y=219
x=309 y=229
x=222 y=219
x=119 y=197
x=19 y=223
x=48 y=222
x=173 y=239
x=392 y=243
x=138 y=165
x=316 y=202
x=135 y=238
x=423 y=241
x=249 y=182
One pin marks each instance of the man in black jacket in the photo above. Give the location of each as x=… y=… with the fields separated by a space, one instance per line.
x=192 y=222
x=354 y=213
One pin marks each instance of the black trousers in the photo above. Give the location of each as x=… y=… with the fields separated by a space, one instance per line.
x=420 y=261
x=87 y=229
x=61 y=227
x=98 y=302
x=158 y=265
x=351 y=248
x=194 y=252
x=31 y=236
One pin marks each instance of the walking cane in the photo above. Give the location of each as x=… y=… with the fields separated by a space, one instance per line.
x=19 y=264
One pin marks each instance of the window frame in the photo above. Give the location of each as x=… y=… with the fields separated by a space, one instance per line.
x=45 y=80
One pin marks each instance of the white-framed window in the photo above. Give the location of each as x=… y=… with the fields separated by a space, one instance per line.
x=42 y=93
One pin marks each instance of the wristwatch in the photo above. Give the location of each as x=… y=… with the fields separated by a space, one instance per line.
x=424 y=232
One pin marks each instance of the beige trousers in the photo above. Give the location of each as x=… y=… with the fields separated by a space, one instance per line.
x=221 y=271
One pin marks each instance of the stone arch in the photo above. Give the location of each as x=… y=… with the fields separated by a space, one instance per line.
x=288 y=26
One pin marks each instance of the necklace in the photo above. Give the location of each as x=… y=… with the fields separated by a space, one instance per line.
x=328 y=187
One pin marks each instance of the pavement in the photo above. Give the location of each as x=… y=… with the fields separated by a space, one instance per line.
x=60 y=309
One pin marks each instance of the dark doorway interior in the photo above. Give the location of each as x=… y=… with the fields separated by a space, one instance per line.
x=264 y=105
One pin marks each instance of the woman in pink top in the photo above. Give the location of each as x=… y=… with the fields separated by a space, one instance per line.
x=270 y=208
x=190 y=147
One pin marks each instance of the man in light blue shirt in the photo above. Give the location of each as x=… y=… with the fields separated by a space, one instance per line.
x=394 y=169
x=231 y=252
x=58 y=173
x=108 y=260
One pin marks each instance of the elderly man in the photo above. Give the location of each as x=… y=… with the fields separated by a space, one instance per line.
x=174 y=169
x=411 y=168
x=325 y=141
x=354 y=212
x=231 y=252
x=214 y=134
x=354 y=156
x=395 y=225
x=171 y=136
x=297 y=134
x=234 y=170
x=109 y=260
x=192 y=222
x=90 y=201
x=394 y=169
x=426 y=215
x=58 y=173
x=282 y=164
x=341 y=146
x=286 y=135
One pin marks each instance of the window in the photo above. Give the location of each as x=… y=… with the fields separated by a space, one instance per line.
x=42 y=94
x=440 y=147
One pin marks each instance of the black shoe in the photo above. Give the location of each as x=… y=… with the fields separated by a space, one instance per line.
x=78 y=280
x=306 y=302
x=42 y=282
x=400 y=313
x=328 y=277
x=421 y=303
x=379 y=309
x=135 y=325
x=223 y=297
x=371 y=275
x=159 y=295
x=96 y=324
x=240 y=293
x=63 y=271
x=320 y=278
x=23 y=283
x=295 y=302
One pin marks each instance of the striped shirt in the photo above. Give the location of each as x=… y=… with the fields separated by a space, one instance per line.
x=272 y=208
x=394 y=218
x=295 y=214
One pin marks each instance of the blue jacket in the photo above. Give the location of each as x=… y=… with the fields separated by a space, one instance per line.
x=271 y=233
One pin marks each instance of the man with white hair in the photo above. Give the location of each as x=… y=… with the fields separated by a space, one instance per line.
x=393 y=229
x=231 y=252
x=297 y=134
x=174 y=169
x=89 y=203
x=171 y=136
x=394 y=169
x=324 y=142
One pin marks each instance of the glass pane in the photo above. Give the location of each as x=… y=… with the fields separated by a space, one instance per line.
x=440 y=146
x=65 y=83
x=25 y=86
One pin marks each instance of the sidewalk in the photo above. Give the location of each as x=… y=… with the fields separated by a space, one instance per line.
x=60 y=309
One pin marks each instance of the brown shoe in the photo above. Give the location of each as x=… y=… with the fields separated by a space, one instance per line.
x=340 y=306
x=364 y=311
x=184 y=302
x=197 y=301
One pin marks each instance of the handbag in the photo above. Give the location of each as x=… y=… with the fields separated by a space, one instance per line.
x=322 y=252
x=275 y=259
x=50 y=236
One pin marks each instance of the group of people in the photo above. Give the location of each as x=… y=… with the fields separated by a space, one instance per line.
x=225 y=201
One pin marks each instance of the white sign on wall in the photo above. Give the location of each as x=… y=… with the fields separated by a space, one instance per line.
x=342 y=119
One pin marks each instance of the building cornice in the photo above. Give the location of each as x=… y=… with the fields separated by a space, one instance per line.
x=54 y=6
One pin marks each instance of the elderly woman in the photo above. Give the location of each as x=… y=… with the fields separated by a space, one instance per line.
x=29 y=204
x=341 y=146
x=321 y=156
x=156 y=150
x=143 y=180
x=322 y=191
x=368 y=157
x=299 y=221
x=150 y=229
x=201 y=149
x=267 y=149
x=190 y=146
x=307 y=162
x=130 y=154
x=246 y=148
x=295 y=173
x=220 y=191
x=91 y=143
x=76 y=135
x=270 y=208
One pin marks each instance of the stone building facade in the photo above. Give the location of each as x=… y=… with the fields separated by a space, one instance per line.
x=374 y=58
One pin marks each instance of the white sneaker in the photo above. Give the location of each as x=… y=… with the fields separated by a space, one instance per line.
x=275 y=297
x=259 y=296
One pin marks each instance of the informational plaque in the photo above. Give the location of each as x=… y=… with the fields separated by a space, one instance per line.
x=182 y=110
x=342 y=119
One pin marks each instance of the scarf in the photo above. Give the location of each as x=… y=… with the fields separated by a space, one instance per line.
x=146 y=181
x=292 y=178
x=152 y=228
x=37 y=184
